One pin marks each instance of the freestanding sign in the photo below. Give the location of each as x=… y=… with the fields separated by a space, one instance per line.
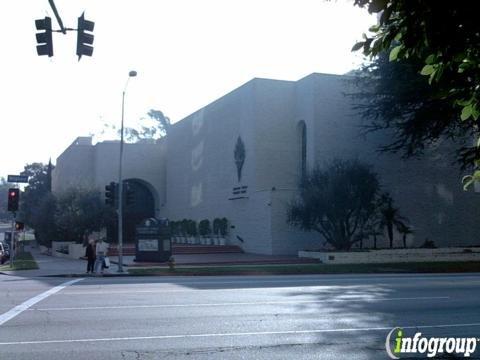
x=17 y=179
x=152 y=241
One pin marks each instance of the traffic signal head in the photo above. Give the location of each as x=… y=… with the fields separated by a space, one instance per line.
x=129 y=195
x=13 y=199
x=111 y=194
x=44 y=38
x=84 y=39
x=19 y=226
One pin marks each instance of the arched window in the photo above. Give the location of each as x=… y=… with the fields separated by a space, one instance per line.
x=302 y=135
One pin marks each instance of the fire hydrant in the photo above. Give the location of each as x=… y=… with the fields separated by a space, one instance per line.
x=171 y=263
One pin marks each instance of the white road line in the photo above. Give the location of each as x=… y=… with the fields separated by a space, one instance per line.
x=256 y=333
x=239 y=303
x=30 y=302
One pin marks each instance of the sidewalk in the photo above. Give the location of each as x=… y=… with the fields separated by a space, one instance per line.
x=55 y=266
x=52 y=266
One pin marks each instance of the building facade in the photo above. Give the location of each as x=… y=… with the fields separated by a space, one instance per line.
x=242 y=156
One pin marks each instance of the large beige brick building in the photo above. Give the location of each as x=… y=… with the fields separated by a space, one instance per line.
x=241 y=157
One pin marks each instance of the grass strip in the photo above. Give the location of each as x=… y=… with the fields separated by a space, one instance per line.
x=417 y=267
x=23 y=261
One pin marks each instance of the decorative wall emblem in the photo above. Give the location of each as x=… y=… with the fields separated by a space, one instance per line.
x=239 y=155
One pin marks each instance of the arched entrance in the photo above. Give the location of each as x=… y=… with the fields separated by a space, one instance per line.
x=141 y=207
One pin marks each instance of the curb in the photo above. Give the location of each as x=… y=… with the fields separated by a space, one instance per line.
x=86 y=276
x=71 y=275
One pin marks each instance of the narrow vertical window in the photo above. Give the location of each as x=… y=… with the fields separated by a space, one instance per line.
x=302 y=132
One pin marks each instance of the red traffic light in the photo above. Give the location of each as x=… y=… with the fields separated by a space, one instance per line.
x=13 y=199
x=19 y=225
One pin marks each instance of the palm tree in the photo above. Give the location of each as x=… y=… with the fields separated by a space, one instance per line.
x=390 y=216
x=375 y=232
x=405 y=230
x=374 y=226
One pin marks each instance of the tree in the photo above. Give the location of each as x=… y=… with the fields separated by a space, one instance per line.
x=204 y=228
x=174 y=226
x=390 y=217
x=184 y=227
x=43 y=217
x=39 y=186
x=155 y=127
x=4 y=186
x=223 y=227
x=394 y=96
x=217 y=224
x=337 y=201
x=373 y=226
x=80 y=212
x=405 y=230
x=192 y=228
x=444 y=38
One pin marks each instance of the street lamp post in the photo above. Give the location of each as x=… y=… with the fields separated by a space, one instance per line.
x=120 y=181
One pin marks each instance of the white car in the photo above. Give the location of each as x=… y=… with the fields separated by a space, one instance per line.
x=4 y=252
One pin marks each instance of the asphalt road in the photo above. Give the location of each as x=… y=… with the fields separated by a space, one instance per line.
x=264 y=317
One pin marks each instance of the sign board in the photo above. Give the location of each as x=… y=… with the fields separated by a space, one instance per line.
x=147 y=245
x=17 y=179
x=153 y=242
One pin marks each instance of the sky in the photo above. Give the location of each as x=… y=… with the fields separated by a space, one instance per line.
x=187 y=53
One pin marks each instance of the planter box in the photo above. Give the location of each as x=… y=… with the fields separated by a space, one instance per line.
x=393 y=255
x=76 y=251
x=222 y=241
x=60 y=248
x=44 y=250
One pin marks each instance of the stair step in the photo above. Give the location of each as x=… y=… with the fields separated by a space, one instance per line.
x=129 y=250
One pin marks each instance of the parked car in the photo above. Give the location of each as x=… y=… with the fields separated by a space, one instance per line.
x=4 y=252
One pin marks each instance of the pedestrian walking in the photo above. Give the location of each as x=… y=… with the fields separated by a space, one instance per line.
x=101 y=249
x=90 y=255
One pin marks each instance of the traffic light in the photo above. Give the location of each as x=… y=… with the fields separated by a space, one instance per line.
x=129 y=195
x=44 y=38
x=84 y=39
x=13 y=199
x=19 y=226
x=111 y=194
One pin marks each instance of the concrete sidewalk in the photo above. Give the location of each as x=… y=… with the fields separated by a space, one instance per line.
x=55 y=266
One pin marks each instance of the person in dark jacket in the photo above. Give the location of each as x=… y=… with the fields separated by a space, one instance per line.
x=90 y=254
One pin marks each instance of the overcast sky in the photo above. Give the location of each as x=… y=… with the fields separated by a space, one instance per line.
x=187 y=54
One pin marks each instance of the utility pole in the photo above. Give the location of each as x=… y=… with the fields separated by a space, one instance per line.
x=12 y=240
x=132 y=73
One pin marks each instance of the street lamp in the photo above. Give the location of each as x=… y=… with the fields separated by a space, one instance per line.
x=120 y=181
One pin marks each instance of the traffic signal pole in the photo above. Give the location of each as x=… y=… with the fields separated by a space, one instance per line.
x=12 y=240
x=59 y=19
x=120 y=194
